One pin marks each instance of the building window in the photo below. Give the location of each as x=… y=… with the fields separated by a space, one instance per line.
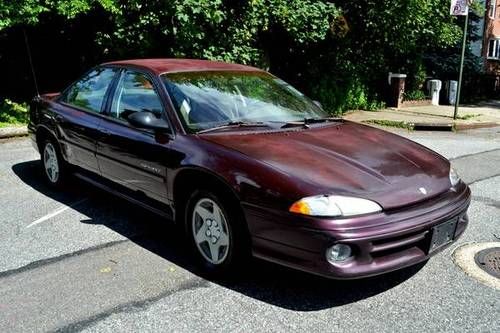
x=493 y=9
x=494 y=49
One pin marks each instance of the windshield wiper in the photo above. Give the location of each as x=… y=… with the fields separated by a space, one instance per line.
x=310 y=121
x=234 y=124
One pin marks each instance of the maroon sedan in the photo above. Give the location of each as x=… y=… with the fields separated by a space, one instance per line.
x=250 y=166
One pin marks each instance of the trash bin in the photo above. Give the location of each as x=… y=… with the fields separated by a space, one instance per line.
x=451 y=93
x=434 y=87
x=397 y=83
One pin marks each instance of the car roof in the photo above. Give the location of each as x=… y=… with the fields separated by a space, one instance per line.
x=162 y=66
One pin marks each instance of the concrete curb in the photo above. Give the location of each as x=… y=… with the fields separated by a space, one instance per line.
x=14 y=131
x=464 y=256
x=463 y=127
x=451 y=126
x=444 y=127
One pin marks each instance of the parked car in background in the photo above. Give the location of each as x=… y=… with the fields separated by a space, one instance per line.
x=248 y=165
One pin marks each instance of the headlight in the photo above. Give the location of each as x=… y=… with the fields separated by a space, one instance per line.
x=454 y=178
x=333 y=205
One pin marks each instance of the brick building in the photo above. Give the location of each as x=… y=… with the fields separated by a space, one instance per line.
x=491 y=40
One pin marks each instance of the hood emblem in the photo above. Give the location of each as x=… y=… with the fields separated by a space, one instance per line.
x=423 y=190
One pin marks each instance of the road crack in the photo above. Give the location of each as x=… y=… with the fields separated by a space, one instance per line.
x=49 y=261
x=483 y=179
x=134 y=306
x=474 y=154
x=488 y=201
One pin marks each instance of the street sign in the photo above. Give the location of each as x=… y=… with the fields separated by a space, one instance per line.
x=459 y=7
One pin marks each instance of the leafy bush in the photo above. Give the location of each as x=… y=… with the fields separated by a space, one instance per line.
x=414 y=95
x=417 y=77
x=375 y=105
x=338 y=97
x=12 y=113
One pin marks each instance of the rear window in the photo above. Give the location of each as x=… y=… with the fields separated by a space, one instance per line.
x=88 y=93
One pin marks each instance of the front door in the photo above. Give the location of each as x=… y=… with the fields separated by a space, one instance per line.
x=132 y=157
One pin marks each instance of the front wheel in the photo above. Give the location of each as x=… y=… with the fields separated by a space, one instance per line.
x=217 y=233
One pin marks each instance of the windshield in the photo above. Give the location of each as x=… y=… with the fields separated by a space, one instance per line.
x=206 y=100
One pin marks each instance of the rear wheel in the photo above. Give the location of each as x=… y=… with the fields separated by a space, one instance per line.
x=217 y=233
x=53 y=165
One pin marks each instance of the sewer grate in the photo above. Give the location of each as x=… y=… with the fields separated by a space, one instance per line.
x=489 y=261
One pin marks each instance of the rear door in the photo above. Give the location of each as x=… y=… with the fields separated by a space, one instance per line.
x=79 y=114
x=132 y=157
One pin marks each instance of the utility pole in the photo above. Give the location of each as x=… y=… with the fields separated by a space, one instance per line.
x=461 y=71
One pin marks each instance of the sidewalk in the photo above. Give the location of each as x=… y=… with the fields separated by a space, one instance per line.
x=13 y=131
x=484 y=114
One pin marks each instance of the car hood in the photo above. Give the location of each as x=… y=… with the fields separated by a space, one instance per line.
x=347 y=159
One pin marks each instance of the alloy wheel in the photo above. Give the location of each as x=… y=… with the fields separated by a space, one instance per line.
x=51 y=163
x=210 y=231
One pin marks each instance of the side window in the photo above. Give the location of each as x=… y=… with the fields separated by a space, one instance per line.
x=135 y=93
x=89 y=92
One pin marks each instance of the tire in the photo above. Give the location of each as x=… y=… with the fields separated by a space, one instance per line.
x=54 y=166
x=217 y=233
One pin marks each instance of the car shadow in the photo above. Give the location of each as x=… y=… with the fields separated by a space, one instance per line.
x=270 y=283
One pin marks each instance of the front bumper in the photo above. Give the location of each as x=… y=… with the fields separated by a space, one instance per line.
x=382 y=242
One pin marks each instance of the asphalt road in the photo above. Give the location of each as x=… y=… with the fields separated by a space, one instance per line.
x=84 y=260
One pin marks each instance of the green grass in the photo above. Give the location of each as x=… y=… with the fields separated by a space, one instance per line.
x=13 y=114
x=390 y=123
x=468 y=116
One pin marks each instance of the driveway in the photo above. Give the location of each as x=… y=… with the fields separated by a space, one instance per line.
x=83 y=260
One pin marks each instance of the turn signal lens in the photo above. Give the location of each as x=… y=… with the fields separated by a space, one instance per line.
x=333 y=205
x=300 y=207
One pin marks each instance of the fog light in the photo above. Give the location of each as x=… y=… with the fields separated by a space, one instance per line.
x=338 y=252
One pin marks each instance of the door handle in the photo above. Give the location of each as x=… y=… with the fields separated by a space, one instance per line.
x=105 y=132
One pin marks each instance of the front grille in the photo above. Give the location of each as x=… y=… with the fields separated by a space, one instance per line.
x=388 y=246
x=416 y=240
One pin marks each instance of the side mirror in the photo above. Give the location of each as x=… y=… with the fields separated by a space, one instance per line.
x=318 y=104
x=147 y=120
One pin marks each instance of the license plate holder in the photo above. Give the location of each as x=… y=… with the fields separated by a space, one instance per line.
x=443 y=234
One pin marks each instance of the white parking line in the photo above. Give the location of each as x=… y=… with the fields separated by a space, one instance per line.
x=55 y=213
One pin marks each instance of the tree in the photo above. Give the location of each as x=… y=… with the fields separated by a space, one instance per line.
x=337 y=51
x=17 y=12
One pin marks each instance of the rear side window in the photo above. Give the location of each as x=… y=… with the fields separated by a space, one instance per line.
x=135 y=93
x=88 y=93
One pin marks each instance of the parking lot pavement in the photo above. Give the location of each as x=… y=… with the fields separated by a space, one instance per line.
x=80 y=259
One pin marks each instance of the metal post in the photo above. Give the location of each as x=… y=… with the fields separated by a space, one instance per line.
x=464 y=44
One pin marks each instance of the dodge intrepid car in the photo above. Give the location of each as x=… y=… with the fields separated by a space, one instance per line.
x=248 y=165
